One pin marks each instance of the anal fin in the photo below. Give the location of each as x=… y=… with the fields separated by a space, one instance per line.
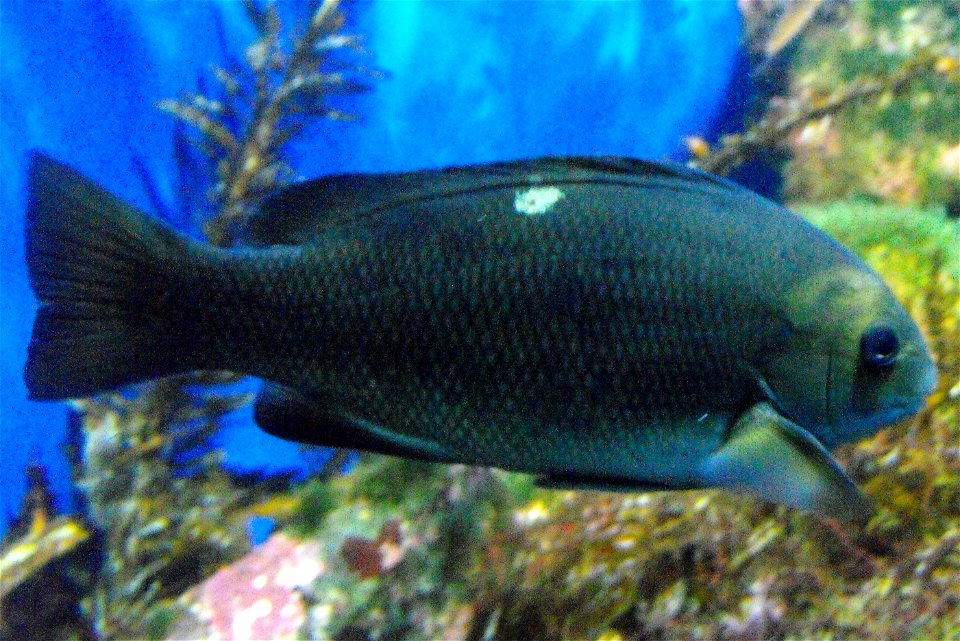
x=292 y=415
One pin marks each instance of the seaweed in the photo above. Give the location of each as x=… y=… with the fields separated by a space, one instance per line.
x=901 y=147
x=870 y=109
x=165 y=513
x=42 y=562
x=265 y=103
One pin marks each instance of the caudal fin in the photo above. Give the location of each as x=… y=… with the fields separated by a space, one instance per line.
x=108 y=279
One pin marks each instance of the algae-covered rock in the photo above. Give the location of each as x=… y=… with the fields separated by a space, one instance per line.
x=900 y=147
x=257 y=597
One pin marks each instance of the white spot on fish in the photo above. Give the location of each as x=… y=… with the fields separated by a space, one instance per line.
x=536 y=200
x=702 y=418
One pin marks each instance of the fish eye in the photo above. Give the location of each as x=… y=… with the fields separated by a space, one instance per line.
x=879 y=346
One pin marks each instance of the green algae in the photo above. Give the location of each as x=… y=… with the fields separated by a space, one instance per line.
x=864 y=227
x=901 y=147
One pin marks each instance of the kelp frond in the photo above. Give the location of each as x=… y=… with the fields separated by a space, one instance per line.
x=265 y=104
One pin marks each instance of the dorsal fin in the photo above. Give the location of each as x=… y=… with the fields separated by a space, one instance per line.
x=297 y=214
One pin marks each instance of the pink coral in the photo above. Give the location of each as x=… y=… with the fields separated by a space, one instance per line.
x=258 y=596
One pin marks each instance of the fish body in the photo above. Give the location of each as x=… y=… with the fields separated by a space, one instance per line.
x=605 y=323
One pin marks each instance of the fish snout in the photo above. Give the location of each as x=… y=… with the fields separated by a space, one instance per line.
x=930 y=381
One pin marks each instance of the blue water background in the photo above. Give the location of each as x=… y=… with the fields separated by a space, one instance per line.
x=466 y=82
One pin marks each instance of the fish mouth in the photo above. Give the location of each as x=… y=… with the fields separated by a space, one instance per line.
x=898 y=411
x=899 y=408
x=903 y=407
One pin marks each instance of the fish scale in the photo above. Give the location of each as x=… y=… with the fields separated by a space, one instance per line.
x=589 y=374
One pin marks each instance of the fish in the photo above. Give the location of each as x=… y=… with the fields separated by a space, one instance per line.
x=791 y=24
x=601 y=323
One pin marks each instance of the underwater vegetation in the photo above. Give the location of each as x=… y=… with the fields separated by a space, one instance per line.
x=870 y=103
x=262 y=103
x=904 y=146
x=402 y=549
x=163 y=511
x=42 y=554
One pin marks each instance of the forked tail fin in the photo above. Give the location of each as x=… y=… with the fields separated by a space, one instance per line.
x=109 y=279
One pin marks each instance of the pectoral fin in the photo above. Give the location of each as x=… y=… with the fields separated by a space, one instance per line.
x=295 y=416
x=770 y=457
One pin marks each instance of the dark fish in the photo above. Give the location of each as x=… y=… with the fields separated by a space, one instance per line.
x=600 y=322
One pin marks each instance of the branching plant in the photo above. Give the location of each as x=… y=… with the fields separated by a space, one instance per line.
x=169 y=514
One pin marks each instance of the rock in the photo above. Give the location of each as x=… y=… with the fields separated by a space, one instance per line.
x=257 y=597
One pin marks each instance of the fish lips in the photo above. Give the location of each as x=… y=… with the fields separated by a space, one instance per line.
x=902 y=407
x=896 y=409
